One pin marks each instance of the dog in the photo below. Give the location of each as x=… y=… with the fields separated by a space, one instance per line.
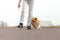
x=35 y=23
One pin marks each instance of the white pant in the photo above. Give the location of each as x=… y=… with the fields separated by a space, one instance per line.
x=30 y=11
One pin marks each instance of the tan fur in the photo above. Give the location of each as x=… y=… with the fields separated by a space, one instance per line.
x=35 y=23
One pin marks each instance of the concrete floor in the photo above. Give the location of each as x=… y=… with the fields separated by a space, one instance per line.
x=34 y=34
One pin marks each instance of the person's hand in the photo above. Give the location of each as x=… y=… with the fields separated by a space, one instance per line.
x=18 y=5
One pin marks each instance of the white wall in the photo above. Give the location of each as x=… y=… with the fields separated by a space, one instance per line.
x=43 y=9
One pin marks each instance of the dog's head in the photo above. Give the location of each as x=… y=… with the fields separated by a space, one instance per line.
x=34 y=19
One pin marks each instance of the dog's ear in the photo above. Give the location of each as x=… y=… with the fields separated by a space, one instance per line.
x=35 y=18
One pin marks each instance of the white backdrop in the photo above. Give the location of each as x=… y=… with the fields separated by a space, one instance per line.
x=43 y=9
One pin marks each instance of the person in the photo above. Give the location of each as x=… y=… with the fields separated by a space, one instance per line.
x=30 y=12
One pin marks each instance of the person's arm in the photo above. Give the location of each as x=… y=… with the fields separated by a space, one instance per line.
x=19 y=3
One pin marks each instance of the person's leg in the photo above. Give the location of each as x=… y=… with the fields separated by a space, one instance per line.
x=30 y=3
x=22 y=15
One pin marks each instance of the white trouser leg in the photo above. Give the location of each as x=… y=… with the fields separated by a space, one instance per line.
x=23 y=12
x=30 y=3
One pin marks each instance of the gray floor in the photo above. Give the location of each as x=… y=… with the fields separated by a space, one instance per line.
x=24 y=34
